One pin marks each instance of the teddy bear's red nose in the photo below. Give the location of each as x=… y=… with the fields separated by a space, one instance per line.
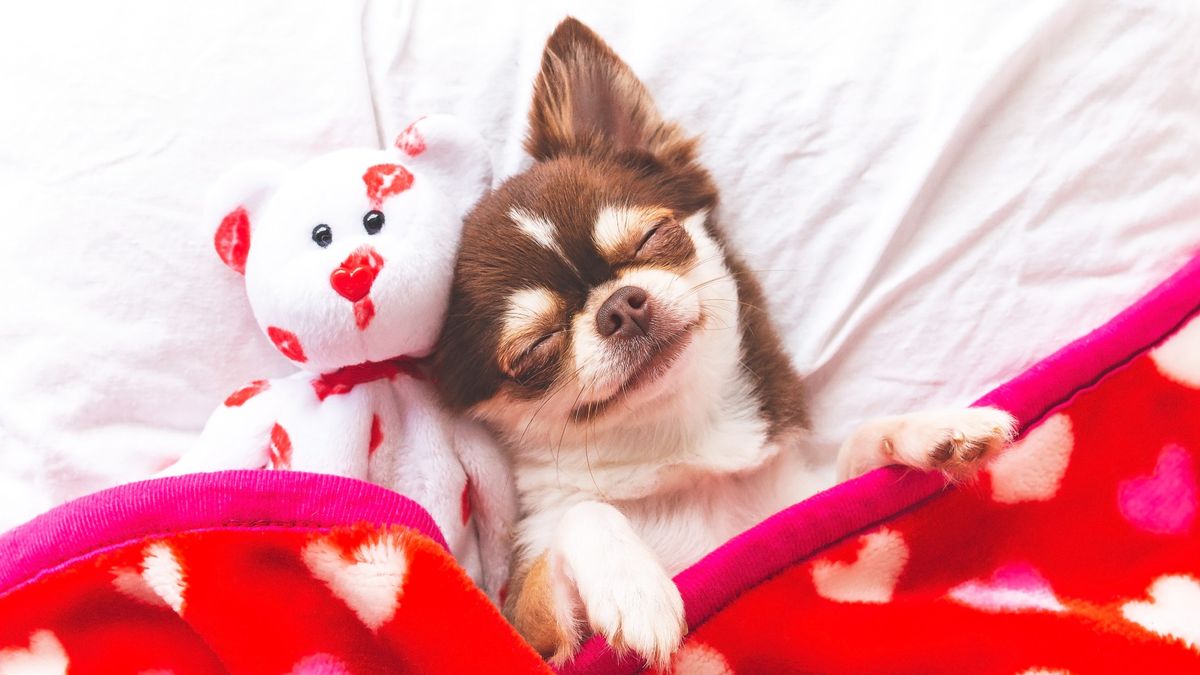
x=352 y=284
x=353 y=278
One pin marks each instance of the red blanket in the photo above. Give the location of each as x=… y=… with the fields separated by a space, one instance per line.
x=244 y=572
x=1077 y=551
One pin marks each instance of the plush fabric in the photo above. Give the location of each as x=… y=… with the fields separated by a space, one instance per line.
x=245 y=572
x=348 y=260
x=1078 y=550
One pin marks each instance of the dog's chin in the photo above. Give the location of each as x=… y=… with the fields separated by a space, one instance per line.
x=651 y=377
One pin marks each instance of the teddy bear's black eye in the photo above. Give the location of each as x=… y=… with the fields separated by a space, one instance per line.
x=373 y=221
x=323 y=235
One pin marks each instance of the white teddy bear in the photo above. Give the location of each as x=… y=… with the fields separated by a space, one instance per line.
x=348 y=262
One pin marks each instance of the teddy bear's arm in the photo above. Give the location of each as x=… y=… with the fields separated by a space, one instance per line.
x=238 y=434
x=493 y=500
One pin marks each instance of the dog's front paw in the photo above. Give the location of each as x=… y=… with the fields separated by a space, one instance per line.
x=635 y=605
x=956 y=442
x=626 y=594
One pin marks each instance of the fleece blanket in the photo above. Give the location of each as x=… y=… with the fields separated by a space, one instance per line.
x=245 y=572
x=1076 y=551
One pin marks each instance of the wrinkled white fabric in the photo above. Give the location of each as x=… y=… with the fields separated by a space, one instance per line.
x=935 y=194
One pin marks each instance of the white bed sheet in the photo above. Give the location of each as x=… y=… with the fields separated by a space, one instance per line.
x=936 y=194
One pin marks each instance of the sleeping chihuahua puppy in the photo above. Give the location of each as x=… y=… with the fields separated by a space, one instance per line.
x=600 y=325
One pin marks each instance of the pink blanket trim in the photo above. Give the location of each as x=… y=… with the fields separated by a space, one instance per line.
x=802 y=530
x=112 y=518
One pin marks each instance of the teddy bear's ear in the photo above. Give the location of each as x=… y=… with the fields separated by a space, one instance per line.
x=453 y=153
x=234 y=202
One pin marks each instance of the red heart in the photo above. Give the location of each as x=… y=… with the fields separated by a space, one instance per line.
x=352 y=284
x=411 y=141
x=280 y=449
x=386 y=180
x=232 y=239
x=246 y=393
x=287 y=343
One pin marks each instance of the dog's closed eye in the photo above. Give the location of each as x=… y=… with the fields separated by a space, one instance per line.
x=665 y=243
x=646 y=239
x=531 y=335
x=533 y=363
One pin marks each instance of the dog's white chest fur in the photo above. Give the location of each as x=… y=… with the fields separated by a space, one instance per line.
x=685 y=525
x=686 y=484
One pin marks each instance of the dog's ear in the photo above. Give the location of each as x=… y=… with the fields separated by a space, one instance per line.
x=587 y=100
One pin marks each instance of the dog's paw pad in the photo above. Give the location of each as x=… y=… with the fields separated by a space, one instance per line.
x=960 y=442
x=955 y=442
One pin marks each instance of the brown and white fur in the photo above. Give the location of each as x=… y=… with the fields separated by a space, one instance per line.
x=602 y=328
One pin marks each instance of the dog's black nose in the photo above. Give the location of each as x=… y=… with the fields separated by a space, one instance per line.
x=626 y=313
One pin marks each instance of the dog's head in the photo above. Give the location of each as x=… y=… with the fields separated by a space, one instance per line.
x=591 y=290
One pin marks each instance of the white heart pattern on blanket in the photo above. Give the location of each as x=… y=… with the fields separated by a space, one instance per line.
x=44 y=655
x=871 y=578
x=1172 y=610
x=1178 y=359
x=164 y=575
x=130 y=581
x=1013 y=587
x=697 y=658
x=368 y=578
x=1033 y=468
